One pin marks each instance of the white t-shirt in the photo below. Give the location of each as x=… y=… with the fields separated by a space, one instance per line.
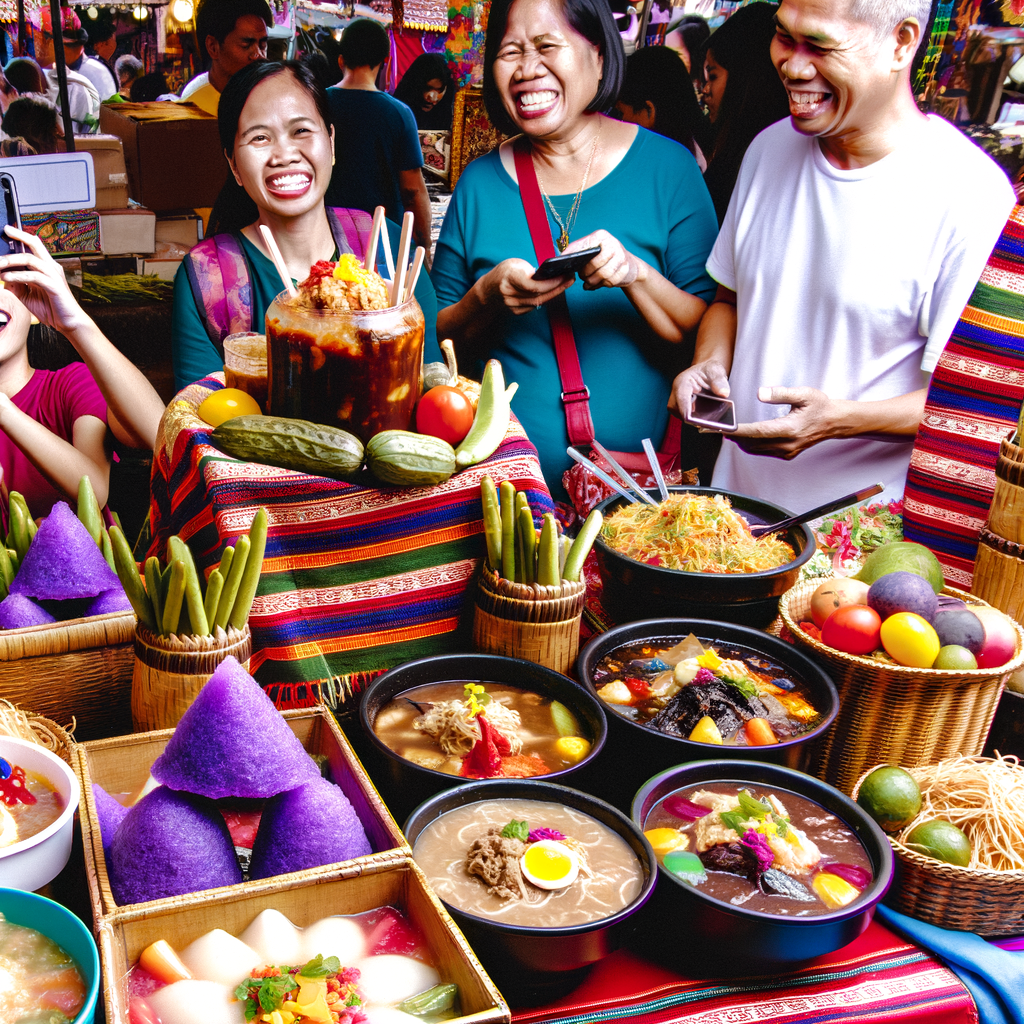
x=842 y=277
x=83 y=99
x=195 y=83
x=100 y=75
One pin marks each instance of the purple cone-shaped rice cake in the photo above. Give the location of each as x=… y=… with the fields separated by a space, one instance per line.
x=306 y=827
x=115 y=600
x=18 y=611
x=232 y=741
x=63 y=561
x=170 y=844
x=109 y=813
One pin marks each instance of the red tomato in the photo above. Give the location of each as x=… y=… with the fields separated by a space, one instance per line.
x=853 y=629
x=444 y=412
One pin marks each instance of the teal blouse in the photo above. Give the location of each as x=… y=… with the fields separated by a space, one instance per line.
x=193 y=354
x=656 y=204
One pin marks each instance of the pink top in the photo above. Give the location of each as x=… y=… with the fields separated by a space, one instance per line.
x=54 y=398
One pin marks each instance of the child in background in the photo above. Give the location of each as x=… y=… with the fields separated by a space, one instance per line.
x=53 y=423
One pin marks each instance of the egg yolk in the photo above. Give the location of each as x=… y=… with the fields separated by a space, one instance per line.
x=546 y=863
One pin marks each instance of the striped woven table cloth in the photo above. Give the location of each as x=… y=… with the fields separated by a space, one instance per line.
x=878 y=977
x=356 y=578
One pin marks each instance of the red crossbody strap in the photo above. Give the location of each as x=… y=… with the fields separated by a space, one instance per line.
x=575 y=394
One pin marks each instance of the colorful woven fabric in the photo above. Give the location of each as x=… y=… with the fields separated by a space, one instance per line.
x=879 y=977
x=973 y=402
x=356 y=579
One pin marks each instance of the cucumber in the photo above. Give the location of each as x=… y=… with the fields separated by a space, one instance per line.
x=405 y=459
x=430 y=1003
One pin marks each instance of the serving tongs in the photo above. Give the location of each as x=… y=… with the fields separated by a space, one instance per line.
x=590 y=467
x=830 y=506
x=622 y=474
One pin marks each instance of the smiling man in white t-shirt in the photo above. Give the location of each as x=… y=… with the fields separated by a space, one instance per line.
x=855 y=235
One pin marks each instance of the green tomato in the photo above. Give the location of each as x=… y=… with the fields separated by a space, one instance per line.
x=910 y=640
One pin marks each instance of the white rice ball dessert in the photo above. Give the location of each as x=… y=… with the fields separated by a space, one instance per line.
x=198 y=1002
x=333 y=936
x=389 y=978
x=218 y=956
x=275 y=939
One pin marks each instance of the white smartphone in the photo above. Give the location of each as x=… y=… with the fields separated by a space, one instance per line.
x=712 y=412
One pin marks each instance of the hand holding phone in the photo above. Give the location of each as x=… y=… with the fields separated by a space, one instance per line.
x=565 y=263
x=712 y=412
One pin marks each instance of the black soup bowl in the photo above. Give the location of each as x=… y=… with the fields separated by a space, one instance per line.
x=699 y=931
x=637 y=590
x=404 y=784
x=635 y=751
x=532 y=964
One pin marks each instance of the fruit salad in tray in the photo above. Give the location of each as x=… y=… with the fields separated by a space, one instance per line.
x=844 y=539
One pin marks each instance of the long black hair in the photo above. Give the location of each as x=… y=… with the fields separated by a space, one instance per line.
x=425 y=68
x=235 y=208
x=593 y=20
x=658 y=74
x=754 y=95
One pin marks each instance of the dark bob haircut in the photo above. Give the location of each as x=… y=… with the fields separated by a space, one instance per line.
x=593 y=20
x=235 y=208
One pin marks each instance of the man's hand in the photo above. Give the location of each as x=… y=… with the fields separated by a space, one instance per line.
x=511 y=283
x=813 y=417
x=709 y=375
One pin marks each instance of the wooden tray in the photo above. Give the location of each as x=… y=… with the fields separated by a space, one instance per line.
x=403 y=886
x=121 y=765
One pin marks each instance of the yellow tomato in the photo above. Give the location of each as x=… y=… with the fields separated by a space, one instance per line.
x=226 y=404
x=910 y=640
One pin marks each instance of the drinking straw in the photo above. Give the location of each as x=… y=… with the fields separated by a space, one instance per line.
x=414 y=274
x=371 y=250
x=385 y=239
x=402 y=263
x=655 y=468
x=278 y=259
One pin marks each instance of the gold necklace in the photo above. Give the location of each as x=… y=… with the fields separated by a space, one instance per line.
x=570 y=220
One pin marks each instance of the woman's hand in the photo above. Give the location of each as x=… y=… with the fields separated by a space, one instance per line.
x=38 y=280
x=613 y=267
x=511 y=284
x=706 y=375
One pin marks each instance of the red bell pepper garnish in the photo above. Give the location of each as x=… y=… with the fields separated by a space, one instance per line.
x=638 y=688
x=483 y=760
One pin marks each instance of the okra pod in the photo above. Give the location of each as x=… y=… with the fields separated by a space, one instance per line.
x=128 y=573
x=492 y=522
x=105 y=547
x=193 y=590
x=547 y=559
x=6 y=568
x=89 y=509
x=19 y=528
x=214 y=588
x=225 y=563
x=232 y=582
x=154 y=587
x=521 y=502
x=529 y=539
x=520 y=558
x=30 y=526
x=581 y=546
x=175 y=598
x=253 y=566
x=508 y=530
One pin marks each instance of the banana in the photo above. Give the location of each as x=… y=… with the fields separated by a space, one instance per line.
x=491 y=421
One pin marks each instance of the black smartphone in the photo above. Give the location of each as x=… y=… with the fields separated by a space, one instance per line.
x=712 y=412
x=565 y=263
x=10 y=213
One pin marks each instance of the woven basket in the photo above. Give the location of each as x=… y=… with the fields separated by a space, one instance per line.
x=999 y=574
x=1006 y=516
x=540 y=624
x=990 y=903
x=893 y=714
x=171 y=670
x=80 y=669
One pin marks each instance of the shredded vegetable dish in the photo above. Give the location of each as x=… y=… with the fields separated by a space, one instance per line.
x=693 y=533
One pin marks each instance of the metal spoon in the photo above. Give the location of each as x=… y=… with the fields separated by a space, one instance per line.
x=622 y=474
x=652 y=458
x=599 y=473
x=830 y=506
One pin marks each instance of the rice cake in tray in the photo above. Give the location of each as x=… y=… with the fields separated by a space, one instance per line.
x=122 y=765
x=303 y=898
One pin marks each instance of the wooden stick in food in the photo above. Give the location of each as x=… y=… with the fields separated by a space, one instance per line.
x=402 y=263
x=371 y=250
x=414 y=274
x=385 y=241
x=275 y=254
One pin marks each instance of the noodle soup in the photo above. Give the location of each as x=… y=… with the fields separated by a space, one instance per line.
x=33 y=805
x=42 y=984
x=609 y=876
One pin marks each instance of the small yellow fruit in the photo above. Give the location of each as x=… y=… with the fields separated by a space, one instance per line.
x=705 y=731
x=572 y=748
x=835 y=892
x=665 y=840
x=226 y=404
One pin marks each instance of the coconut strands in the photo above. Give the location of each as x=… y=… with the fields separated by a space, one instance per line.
x=36 y=729
x=982 y=796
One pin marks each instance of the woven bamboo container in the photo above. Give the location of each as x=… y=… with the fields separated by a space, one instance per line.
x=892 y=714
x=519 y=620
x=79 y=669
x=999 y=574
x=121 y=765
x=990 y=903
x=170 y=670
x=1006 y=516
x=305 y=901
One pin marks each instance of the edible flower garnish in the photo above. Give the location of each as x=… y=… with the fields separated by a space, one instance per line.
x=762 y=850
x=537 y=834
x=319 y=991
x=517 y=830
x=703 y=677
x=347 y=268
x=709 y=660
x=476 y=698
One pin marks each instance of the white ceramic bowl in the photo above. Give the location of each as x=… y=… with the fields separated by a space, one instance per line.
x=33 y=862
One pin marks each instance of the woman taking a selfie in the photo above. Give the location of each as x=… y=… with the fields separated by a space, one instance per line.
x=551 y=69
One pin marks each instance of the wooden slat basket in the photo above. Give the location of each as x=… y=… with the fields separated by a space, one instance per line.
x=892 y=714
x=79 y=669
x=990 y=903
x=121 y=765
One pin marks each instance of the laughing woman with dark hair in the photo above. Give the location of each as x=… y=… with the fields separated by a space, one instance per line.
x=551 y=70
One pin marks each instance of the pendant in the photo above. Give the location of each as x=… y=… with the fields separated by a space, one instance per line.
x=563 y=240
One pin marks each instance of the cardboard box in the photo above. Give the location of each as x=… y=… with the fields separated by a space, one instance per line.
x=65 y=232
x=121 y=765
x=185 y=229
x=72 y=267
x=172 y=152
x=304 y=902
x=127 y=231
x=109 y=169
x=164 y=269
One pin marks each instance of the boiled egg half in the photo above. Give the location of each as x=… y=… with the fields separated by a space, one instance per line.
x=549 y=864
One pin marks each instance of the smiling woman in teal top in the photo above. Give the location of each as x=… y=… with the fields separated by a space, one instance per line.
x=549 y=66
